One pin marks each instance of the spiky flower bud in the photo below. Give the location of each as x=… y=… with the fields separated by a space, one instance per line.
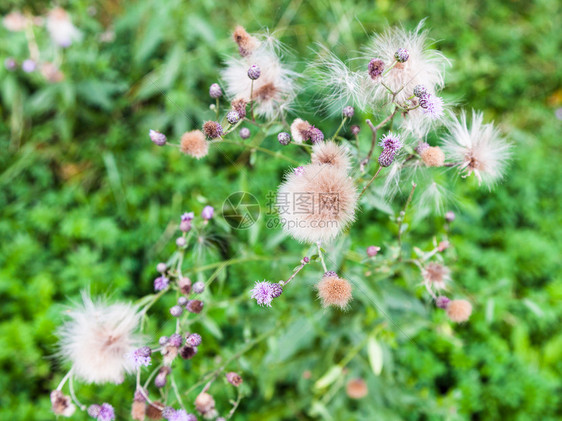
x=182 y=301
x=161 y=283
x=330 y=273
x=163 y=340
x=239 y=105
x=306 y=260
x=372 y=251
x=233 y=378
x=244 y=133
x=188 y=352
x=193 y=339
x=254 y=72
x=420 y=90
x=194 y=306
x=284 y=138
x=10 y=64
x=355 y=129
x=316 y=135
x=233 y=117
x=215 y=91
x=181 y=242
x=450 y=216
x=375 y=68
x=212 y=129
x=185 y=226
x=391 y=144
x=162 y=376
x=348 y=111
x=276 y=290
x=333 y=290
x=161 y=267
x=442 y=302
x=157 y=137
x=443 y=245
x=386 y=158
x=401 y=55
x=198 y=287
x=61 y=404
x=175 y=340
x=176 y=311
x=140 y=357
x=184 y=284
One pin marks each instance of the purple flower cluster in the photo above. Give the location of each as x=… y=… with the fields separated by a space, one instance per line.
x=140 y=356
x=264 y=292
x=390 y=145
x=103 y=412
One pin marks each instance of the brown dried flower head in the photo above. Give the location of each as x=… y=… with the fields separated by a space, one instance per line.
x=194 y=143
x=239 y=105
x=246 y=42
x=334 y=291
x=357 y=389
x=234 y=379
x=204 y=403
x=437 y=275
x=459 y=310
x=61 y=404
x=433 y=156
x=138 y=410
x=300 y=130
x=154 y=410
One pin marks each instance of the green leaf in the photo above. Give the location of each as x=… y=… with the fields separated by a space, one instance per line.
x=327 y=379
x=374 y=351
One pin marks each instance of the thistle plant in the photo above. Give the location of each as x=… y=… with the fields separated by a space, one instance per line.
x=406 y=154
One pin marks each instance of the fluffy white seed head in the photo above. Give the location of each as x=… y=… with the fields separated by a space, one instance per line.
x=96 y=338
x=275 y=89
x=331 y=153
x=317 y=203
x=478 y=149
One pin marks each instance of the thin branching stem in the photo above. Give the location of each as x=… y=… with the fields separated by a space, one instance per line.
x=370 y=181
x=401 y=219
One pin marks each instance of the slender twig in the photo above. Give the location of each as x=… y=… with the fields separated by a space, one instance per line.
x=176 y=391
x=64 y=380
x=73 y=395
x=297 y=270
x=339 y=128
x=264 y=150
x=252 y=100
x=235 y=405
x=374 y=129
x=217 y=109
x=370 y=181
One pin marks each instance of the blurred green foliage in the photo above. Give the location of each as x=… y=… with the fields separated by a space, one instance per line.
x=86 y=200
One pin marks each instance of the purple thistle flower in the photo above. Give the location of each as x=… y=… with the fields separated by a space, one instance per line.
x=187 y=216
x=391 y=141
x=442 y=302
x=207 y=212
x=181 y=242
x=163 y=340
x=28 y=66
x=386 y=158
x=157 y=137
x=176 y=311
x=276 y=290
x=198 y=287
x=254 y=72
x=106 y=413
x=180 y=415
x=161 y=283
x=193 y=340
x=401 y=55
x=299 y=171
x=263 y=293
x=375 y=68
x=233 y=117
x=355 y=129
x=140 y=357
x=315 y=135
x=432 y=105
x=420 y=90
x=348 y=111
x=284 y=138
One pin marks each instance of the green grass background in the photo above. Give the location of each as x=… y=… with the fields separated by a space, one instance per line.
x=86 y=199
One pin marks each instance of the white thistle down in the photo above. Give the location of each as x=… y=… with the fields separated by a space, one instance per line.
x=423 y=67
x=62 y=31
x=96 y=339
x=478 y=150
x=275 y=89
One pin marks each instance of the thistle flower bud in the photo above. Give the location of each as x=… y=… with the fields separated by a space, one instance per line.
x=175 y=340
x=401 y=55
x=420 y=90
x=28 y=66
x=244 y=133
x=375 y=68
x=176 y=311
x=188 y=352
x=103 y=412
x=355 y=129
x=61 y=404
x=450 y=216
x=356 y=389
x=443 y=245
x=372 y=251
x=182 y=301
x=233 y=378
x=276 y=290
x=391 y=144
x=161 y=283
x=10 y=64
x=94 y=410
x=239 y=105
x=442 y=302
x=433 y=156
x=386 y=158
x=207 y=213
x=232 y=117
x=316 y=135
x=184 y=284
x=185 y=226
x=157 y=137
x=330 y=273
x=254 y=72
x=140 y=357
x=284 y=138
x=204 y=403
x=194 y=306
x=163 y=340
x=161 y=267
x=215 y=91
x=181 y=242
x=348 y=111
x=187 y=216
x=193 y=339
x=459 y=310
x=167 y=412
x=305 y=260
x=162 y=377
x=198 y=287
x=212 y=129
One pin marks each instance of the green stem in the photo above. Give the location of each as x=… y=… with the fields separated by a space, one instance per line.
x=401 y=219
x=339 y=128
x=370 y=181
x=321 y=257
